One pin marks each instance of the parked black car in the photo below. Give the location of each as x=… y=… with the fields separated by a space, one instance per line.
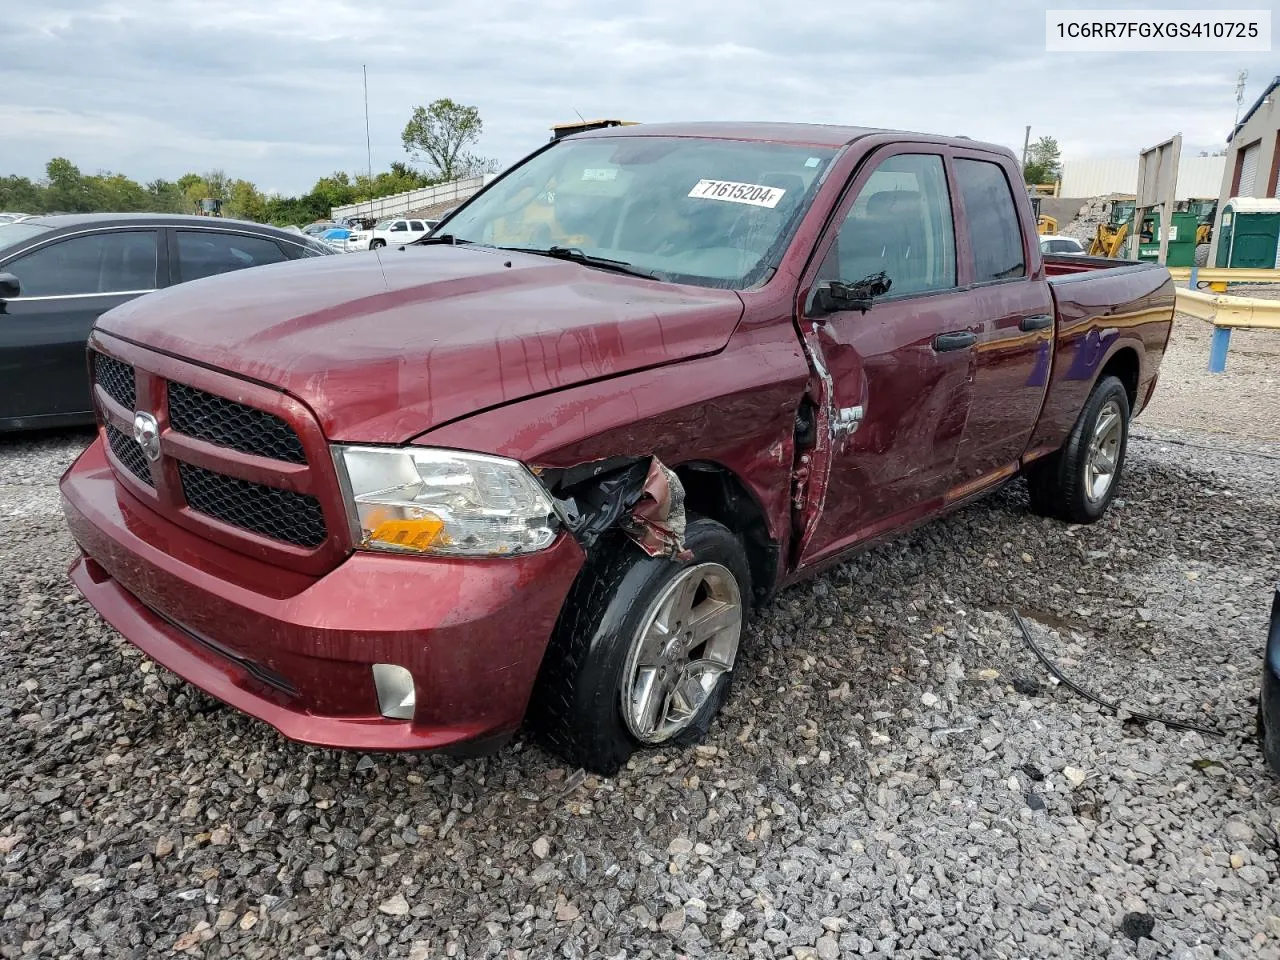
x=58 y=274
x=1269 y=698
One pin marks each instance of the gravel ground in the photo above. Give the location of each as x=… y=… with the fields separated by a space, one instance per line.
x=895 y=776
x=1243 y=400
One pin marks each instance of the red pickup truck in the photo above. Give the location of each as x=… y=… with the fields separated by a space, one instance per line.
x=541 y=465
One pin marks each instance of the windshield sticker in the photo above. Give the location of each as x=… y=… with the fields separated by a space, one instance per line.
x=813 y=161
x=600 y=173
x=755 y=194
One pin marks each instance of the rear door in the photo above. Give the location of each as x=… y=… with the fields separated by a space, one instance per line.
x=898 y=376
x=1014 y=309
x=66 y=285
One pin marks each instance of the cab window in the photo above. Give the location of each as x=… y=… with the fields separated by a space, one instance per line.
x=900 y=225
x=995 y=234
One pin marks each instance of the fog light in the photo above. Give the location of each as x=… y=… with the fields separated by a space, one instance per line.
x=395 y=691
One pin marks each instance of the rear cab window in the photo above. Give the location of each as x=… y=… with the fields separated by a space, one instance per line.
x=991 y=221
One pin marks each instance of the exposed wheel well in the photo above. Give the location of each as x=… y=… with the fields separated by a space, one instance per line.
x=714 y=491
x=1124 y=365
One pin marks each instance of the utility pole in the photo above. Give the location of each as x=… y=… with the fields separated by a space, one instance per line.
x=368 y=143
x=1026 y=142
x=1241 y=77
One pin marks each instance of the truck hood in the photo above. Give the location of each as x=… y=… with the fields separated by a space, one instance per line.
x=383 y=346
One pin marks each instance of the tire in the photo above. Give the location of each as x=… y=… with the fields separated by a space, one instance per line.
x=1062 y=485
x=597 y=648
x=377 y=244
x=1202 y=255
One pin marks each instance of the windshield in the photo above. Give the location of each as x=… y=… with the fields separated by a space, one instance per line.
x=710 y=212
x=15 y=233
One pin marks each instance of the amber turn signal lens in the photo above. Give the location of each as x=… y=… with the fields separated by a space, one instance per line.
x=418 y=534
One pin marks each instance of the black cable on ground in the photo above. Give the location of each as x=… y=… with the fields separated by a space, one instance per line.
x=1074 y=687
x=1259 y=454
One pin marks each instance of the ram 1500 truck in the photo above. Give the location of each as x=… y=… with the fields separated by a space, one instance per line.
x=542 y=465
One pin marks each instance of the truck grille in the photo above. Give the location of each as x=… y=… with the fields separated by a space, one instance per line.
x=269 y=511
x=116 y=378
x=272 y=428
x=227 y=423
x=129 y=453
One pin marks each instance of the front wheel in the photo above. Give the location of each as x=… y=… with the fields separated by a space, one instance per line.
x=1078 y=482
x=377 y=244
x=644 y=651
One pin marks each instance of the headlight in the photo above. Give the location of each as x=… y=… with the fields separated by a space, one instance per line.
x=442 y=502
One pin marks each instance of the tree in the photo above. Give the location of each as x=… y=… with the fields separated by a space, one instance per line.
x=166 y=197
x=21 y=195
x=439 y=135
x=66 y=191
x=1044 y=161
x=245 y=202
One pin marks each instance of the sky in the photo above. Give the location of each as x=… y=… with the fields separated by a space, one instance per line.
x=272 y=92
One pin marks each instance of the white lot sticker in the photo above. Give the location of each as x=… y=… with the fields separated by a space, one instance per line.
x=753 y=193
x=600 y=173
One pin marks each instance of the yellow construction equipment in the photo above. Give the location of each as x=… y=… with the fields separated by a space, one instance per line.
x=1111 y=235
x=1044 y=223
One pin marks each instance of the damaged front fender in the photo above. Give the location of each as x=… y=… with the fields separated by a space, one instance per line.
x=640 y=496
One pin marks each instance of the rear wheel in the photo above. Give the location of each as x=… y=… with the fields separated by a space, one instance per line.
x=644 y=650
x=1202 y=255
x=1078 y=482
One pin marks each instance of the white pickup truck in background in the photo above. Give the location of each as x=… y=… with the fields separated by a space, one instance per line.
x=393 y=230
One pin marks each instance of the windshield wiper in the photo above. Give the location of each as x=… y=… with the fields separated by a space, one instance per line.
x=448 y=238
x=579 y=256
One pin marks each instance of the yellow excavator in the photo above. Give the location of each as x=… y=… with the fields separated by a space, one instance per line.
x=1109 y=239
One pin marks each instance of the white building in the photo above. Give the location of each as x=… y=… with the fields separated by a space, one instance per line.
x=1198 y=177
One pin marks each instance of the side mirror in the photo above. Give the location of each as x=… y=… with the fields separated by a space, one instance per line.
x=833 y=296
x=10 y=286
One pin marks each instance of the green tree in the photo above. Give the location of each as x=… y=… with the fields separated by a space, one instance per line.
x=335 y=189
x=66 y=190
x=439 y=135
x=1044 y=161
x=166 y=197
x=245 y=202
x=21 y=195
x=116 y=193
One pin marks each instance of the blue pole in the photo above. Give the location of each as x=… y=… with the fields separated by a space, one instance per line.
x=1195 y=275
x=1218 y=349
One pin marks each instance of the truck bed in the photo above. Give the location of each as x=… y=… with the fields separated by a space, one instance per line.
x=1113 y=313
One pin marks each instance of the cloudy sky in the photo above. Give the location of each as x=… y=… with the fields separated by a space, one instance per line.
x=271 y=91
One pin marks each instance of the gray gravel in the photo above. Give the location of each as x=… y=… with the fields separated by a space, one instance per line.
x=895 y=775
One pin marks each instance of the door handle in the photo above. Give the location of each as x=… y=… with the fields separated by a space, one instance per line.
x=1042 y=322
x=955 y=340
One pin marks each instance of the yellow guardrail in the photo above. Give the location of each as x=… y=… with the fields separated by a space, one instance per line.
x=1226 y=314
x=1225 y=274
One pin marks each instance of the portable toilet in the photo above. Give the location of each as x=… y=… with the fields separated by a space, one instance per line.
x=1182 y=239
x=1249 y=233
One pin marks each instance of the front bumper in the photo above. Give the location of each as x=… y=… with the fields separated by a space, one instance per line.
x=296 y=651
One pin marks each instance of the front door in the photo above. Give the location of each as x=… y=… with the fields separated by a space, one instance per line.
x=897 y=378
x=66 y=285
